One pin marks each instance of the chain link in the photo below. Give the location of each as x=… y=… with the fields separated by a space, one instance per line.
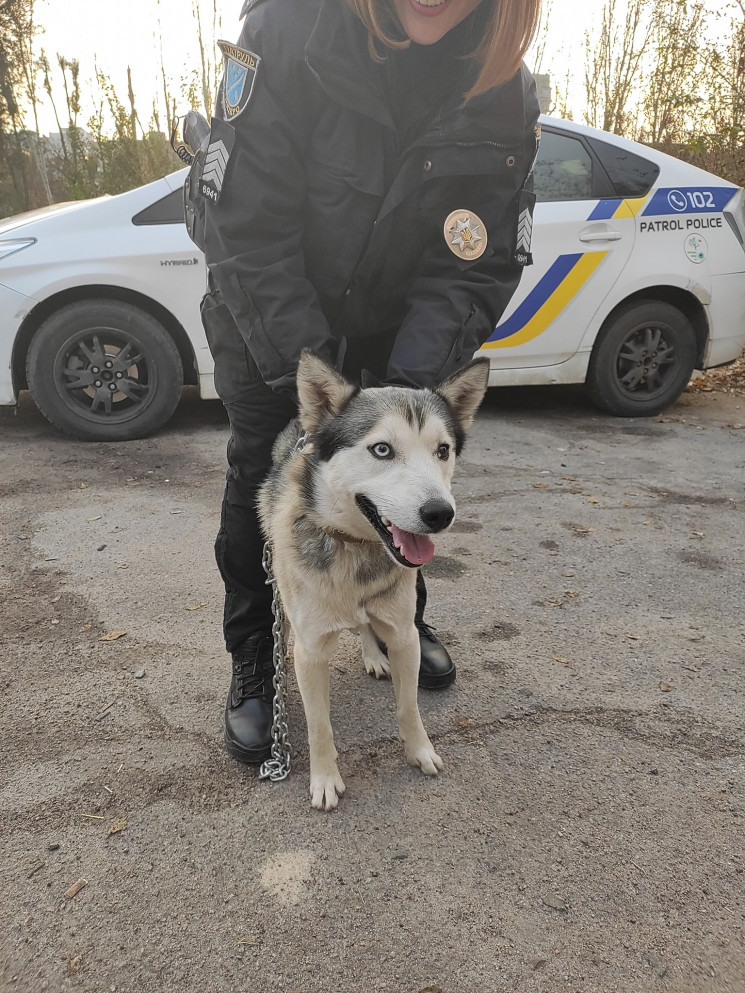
x=278 y=766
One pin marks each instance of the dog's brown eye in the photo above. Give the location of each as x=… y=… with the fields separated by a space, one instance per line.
x=382 y=450
x=443 y=452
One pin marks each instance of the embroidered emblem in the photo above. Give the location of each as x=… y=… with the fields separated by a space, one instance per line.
x=524 y=234
x=524 y=230
x=216 y=158
x=213 y=173
x=239 y=75
x=465 y=234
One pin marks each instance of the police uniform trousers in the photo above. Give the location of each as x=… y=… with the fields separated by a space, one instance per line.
x=256 y=414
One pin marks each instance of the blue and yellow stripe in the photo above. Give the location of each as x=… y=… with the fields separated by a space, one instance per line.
x=561 y=283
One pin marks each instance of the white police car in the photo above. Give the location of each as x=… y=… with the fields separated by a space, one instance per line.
x=638 y=278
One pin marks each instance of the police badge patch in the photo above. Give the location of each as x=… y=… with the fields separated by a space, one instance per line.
x=465 y=234
x=240 y=69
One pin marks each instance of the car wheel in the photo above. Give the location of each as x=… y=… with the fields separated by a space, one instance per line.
x=642 y=360
x=104 y=370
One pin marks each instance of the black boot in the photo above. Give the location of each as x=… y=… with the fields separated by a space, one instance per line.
x=248 y=712
x=436 y=668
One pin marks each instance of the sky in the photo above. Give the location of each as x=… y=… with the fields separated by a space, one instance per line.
x=137 y=32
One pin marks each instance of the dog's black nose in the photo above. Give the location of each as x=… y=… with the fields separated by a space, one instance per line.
x=436 y=514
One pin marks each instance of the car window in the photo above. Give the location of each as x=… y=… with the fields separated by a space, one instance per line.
x=167 y=210
x=563 y=169
x=632 y=175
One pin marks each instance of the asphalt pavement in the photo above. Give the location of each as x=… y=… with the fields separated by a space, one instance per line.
x=586 y=834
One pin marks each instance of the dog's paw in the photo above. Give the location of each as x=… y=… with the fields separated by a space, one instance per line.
x=325 y=790
x=377 y=666
x=426 y=758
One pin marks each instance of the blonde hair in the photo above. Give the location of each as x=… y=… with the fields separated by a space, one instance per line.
x=499 y=54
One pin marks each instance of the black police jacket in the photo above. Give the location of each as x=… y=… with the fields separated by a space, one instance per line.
x=320 y=225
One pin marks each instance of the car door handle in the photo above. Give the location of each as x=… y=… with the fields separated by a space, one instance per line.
x=600 y=236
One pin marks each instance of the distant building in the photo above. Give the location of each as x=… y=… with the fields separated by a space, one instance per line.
x=543 y=86
x=56 y=141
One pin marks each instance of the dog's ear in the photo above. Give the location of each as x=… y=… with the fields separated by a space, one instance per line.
x=464 y=390
x=320 y=389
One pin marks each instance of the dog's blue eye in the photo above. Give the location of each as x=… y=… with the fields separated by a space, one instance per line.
x=443 y=452
x=382 y=450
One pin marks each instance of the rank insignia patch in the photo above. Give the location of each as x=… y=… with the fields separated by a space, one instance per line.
x=216 y=159
x=239 y=75
x=522 y=254
x=465 y=234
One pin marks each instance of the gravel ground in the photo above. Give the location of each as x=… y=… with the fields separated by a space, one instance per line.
x=586 y=835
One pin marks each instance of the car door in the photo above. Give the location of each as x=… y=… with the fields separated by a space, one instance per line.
x=583 y=236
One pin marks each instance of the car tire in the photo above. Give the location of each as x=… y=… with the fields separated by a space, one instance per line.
x=104 y=370
x=642 y=360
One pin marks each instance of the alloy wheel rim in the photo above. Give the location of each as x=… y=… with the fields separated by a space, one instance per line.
x=104 y=374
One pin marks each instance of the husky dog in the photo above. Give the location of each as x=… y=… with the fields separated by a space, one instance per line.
x=349 y=513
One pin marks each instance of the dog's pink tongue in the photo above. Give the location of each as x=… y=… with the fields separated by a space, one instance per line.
x=417 y=548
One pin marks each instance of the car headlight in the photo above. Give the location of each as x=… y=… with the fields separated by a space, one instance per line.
x=9 y=246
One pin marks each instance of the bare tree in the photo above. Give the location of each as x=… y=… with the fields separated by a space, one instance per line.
x=612 y=62
x=672 y=83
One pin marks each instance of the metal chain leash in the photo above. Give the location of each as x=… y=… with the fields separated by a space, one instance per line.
x=278 y=766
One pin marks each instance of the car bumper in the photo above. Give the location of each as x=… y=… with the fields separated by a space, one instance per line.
x=13 y=308
x=727 y=318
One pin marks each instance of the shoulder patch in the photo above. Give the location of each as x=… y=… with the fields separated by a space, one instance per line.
x=216 y=159
x=240 y=69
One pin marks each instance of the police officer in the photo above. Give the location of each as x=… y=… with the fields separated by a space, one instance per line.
x=366 y=194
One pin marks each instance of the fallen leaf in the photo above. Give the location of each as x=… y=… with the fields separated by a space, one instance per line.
x=94 y=518
x=75 y=965
x=99 y=715
x=557 y=658
x=553 y=901
x=118 y=825
x=112 y=636
x=85 y=627
x=75 y=888
x=634 y=637
x=540 y=486
x=593 y=500
x=571 y=593
x=582 y=530
x=665 y=687
x=57 y=598
x=197 y=606
x=572 y=479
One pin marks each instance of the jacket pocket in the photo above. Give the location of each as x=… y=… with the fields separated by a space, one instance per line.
x=235 y=370
x=464 y=347
x=344 y=198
